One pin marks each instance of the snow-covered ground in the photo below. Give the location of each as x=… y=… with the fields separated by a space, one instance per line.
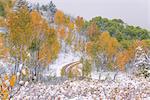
x=125 y=87
x=5 y=67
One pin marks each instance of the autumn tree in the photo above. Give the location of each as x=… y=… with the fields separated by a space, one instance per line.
x=19 y=26
x=44 y=44
x=31 y=40
x=93 y=31
x=71 y=26
x=127 y=55
x=6 y=83
x=50 y=48
x=103 y=50
x=66 y=20
x=4 y=51
x=62 y=32
x=79 y=22
x=108 y=44
x=59 y=17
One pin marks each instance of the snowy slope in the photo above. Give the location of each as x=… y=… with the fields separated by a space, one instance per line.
x=66 y=56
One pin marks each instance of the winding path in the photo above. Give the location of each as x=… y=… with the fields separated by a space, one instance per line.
x=70 y=66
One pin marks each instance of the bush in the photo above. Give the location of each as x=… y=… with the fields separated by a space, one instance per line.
x=70 y=75
x=62 y=72
x=86 y=71
x=143 y=71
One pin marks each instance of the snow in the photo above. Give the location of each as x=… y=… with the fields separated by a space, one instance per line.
x=39 y=1
x=124 y=87
x=5 y=67
x=3 y=30
x=66 y=56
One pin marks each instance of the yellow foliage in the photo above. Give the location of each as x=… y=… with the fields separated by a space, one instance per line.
x=93 y=29
x=4 y=88
x=67 y=20
x=19 y=26
x=2 y=22
x=6 y=77
x=55 y=49
x=3 y=50
x=71 y=26
x=127 y=55
x=45 y=54
x=62 y=33
x=79 y=23
x=59 y=17
x=39 y=25
x=4 y=94
x=48 y=52
x=12 y=80
x=108 y=44
x=122 y=59
x=89 y=47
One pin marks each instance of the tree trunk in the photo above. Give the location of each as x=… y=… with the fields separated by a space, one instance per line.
x=21 y=59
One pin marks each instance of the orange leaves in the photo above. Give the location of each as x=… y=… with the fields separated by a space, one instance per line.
x=37 y=20
x=46 y=36
x=104 y=37
x=66 y=20
x=5 y=83
x=4 y=94
x=62 y=32
x=30 y=34
x=127 y=55
x=39 y=25
x=2 y=22
x=103 y=46
x=113 y=46
x=59 y=17
x=12 y=80
x=35 y=17
x=79 y=23
x=45 y=55
x=3 y=49
x=49 y=52
x=55 y=49
x=89 y=47
x=93 y=29
x=63 y=20
x=71 y=26
x=19 y=26
x=122 y=59
x=108 y=44
x=6 y=77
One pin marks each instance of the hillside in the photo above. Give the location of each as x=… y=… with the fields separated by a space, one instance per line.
x=47 y=51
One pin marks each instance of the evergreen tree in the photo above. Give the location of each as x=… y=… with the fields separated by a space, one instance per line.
x=142 y=63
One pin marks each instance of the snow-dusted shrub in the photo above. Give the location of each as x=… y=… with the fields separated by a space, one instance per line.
x=142 y=63
x=87 y=68
x=143 y=71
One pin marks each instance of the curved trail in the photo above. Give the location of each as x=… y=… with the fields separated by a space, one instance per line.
x=70 y=65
